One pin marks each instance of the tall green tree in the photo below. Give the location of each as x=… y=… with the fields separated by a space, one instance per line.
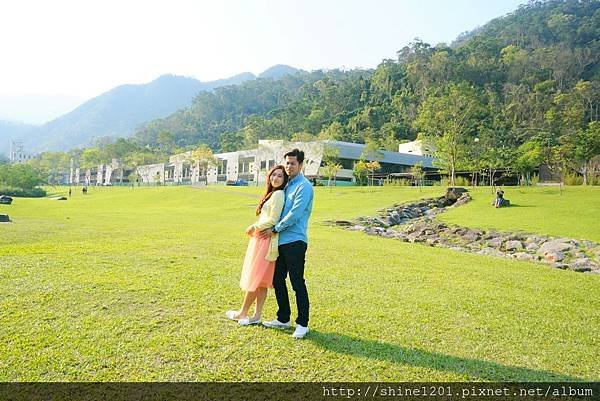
x=23 y=176
x=450 y=118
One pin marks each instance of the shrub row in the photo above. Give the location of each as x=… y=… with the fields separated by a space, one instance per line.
x=23 y=193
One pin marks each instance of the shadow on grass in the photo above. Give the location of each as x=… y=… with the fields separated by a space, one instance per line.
x=472 y=368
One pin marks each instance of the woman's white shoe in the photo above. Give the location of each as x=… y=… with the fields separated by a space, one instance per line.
x=232 y=315
x=248 y=321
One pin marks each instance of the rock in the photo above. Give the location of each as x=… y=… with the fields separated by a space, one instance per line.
x=414 y=238
x=553 y=257
x=581 y=269
x=470 y=237
x=532 y=240
x=456 y=248
x=561 y=266
x=474 y=246
x=453 y=194
x=4 y=218
x=5 y=200
x=464 y=198
x=513 y=245
x=524 y=256
x=532 y=247
x=432 y=241
x=582 y=262
x=554 y=246
x=490 y=251
x=495 y=242
x=395 y=217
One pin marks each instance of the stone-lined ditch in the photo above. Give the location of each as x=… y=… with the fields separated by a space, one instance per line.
x=415 y=222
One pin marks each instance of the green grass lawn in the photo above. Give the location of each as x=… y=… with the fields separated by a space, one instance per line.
x=132 y=285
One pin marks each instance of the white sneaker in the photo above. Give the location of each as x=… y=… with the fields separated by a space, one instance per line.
x=247 y=321
x=300 y=331
x=232 y=314
x=276 y=324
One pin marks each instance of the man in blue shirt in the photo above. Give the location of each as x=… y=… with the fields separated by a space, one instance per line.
x=292 y=246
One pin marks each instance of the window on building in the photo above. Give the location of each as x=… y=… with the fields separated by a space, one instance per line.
x=244 y=164
x=222 y=168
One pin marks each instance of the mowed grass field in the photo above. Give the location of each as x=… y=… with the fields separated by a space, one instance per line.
x=132 y=285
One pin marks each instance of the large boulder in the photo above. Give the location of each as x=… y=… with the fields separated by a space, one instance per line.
x=452 y=194
x=554 y=246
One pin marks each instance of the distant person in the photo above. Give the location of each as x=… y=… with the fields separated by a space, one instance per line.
x=84 y=190
x=499 y=201
x=293 y=242
x=262 y=252
x=69 y=192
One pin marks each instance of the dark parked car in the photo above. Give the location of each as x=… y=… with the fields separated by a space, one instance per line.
x=238 y=183
x=5 y=200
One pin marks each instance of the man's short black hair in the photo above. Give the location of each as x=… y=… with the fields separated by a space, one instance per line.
x=297 y=153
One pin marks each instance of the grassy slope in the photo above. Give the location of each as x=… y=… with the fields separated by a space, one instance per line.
x=133 y=284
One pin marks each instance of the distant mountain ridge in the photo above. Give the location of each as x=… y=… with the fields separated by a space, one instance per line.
x=119 y=111
x=278 y=71
x=12 y=131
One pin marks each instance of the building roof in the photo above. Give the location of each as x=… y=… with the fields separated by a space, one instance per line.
x=350 y=150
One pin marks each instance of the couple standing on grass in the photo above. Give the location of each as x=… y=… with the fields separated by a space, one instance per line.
x=278 y=247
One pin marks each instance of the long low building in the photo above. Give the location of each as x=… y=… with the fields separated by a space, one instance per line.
x=252 y=165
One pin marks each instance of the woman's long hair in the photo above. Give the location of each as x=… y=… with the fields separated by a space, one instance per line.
x=269 y=189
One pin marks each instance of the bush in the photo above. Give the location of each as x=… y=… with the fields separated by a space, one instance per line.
x=593 y=180
x=397 y=182
x=20 y=176
x=461 y=182
x=23 y=193
x=573 y=179
x=535 y=179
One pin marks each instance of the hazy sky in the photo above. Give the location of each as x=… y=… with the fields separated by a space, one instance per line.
x=83 y=48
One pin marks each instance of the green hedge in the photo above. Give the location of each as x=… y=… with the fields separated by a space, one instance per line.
x=23 y=193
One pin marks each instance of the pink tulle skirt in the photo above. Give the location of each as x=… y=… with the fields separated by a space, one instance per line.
x=257 y=272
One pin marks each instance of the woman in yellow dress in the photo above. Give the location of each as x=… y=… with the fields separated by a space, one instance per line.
x=259 y=263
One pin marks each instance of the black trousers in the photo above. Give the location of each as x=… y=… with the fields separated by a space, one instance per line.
x=291 y=260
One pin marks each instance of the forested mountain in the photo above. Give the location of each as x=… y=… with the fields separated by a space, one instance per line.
x=525 y=85
x=119 y=111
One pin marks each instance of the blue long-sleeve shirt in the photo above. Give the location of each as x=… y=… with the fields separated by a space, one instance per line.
x=298 y=205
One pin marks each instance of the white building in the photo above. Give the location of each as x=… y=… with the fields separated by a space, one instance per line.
x=418 y=148
x=17 y=154
x=253 y=164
